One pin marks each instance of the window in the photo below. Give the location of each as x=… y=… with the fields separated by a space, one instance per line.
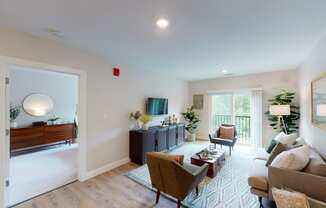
x=232 y=108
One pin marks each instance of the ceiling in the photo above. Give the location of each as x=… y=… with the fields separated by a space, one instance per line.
x=204 y=37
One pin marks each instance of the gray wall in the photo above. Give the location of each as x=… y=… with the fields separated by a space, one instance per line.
x=62 y=88
x=313 y=67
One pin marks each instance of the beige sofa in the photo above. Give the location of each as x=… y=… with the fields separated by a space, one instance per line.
x=262 y=178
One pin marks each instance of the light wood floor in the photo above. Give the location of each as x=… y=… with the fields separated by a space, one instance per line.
x=109 y=190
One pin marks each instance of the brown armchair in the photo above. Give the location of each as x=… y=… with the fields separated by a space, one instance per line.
x=230 y=142
x=174 y=179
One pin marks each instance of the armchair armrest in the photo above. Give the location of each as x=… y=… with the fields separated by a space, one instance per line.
x=312 y=185
x=190 y=177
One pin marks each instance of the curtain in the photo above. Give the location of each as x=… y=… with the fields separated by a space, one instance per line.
x=256 y=118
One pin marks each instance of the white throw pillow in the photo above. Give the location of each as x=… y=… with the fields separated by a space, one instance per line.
x=286 y=139
x=279 y=136
x=293 y=159
x=300 y=140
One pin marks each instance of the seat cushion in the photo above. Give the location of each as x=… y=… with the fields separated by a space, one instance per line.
x=258 y=177
x=222 y=141
x=191 y=168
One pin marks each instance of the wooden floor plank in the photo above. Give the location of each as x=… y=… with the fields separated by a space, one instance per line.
x=109 y=190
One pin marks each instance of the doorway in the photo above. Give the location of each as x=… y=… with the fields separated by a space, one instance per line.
x=6 y=64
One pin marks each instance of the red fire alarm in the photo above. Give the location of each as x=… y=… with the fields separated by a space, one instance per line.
x=116 y=72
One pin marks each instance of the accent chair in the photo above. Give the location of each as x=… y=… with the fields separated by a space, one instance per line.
x=169 y=176
x=230 y=141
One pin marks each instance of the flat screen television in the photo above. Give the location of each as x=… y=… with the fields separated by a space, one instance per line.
x=157 y=106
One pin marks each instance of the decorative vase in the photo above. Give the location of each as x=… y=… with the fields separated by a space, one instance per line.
x=145 y=126
x=13 y=124
x=192 y=137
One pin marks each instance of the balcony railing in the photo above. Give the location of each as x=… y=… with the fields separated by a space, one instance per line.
x=242 y=124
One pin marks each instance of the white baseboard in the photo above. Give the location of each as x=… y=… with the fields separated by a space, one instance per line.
x=106 y=168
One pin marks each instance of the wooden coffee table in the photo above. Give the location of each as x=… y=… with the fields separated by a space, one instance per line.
x=214 y=162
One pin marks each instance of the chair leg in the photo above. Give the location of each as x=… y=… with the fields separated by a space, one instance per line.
x=221 y=146
x=214 y=146
x=230 y=150
x=260 y=199
x=158 y=193
x=197 y=190
x=178 y=204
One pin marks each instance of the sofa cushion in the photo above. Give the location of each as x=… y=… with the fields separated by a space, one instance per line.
x=258 y=175
x=278 y=149
x=293 y=159
x=316 y=167
x=226 y=132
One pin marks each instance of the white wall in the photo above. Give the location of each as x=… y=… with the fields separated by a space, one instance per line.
x=271 y=83
x=109 y=99
x=62 y=88
x=313 y=67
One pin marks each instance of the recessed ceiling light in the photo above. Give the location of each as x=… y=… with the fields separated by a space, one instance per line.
x=54 y=32
x=162 y=23
x=224 y=71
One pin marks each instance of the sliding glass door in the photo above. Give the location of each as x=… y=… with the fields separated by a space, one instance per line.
x=233 y=108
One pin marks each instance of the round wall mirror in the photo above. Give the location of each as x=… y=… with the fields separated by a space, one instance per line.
x=38 y=104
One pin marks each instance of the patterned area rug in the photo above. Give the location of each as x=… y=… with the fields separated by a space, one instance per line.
x=229 y=189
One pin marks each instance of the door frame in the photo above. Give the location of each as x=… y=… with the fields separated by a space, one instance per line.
x=5 y=63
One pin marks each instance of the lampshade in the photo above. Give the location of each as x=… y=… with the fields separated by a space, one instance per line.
x=280 y=110
x=321 y=110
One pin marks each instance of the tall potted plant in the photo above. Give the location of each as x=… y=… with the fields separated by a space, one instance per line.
x=192 y=121
x=290 y=121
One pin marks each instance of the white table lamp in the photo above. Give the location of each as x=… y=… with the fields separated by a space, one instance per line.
x=280 y=111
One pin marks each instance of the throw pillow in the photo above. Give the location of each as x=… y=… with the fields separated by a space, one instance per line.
x=300 y=140
x=289 y=199
x=316 y=167
x=293 y=159
x=287 y=139
x=226 y=132
x=278 y=149
x=279 y=136
x=271 y=146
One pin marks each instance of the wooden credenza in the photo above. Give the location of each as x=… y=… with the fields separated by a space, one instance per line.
x=30 y=137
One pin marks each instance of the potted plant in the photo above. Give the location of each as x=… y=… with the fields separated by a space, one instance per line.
x=134 y=118
x=192 y=121
x=290 y=121
x=53 y=120
x=145 y=119
x=14 y=113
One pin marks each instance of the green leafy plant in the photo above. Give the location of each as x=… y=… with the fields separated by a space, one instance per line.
x=291 y=121
x=54 y=119
x=135 y=115
x=192 y=120
x=14 y=112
